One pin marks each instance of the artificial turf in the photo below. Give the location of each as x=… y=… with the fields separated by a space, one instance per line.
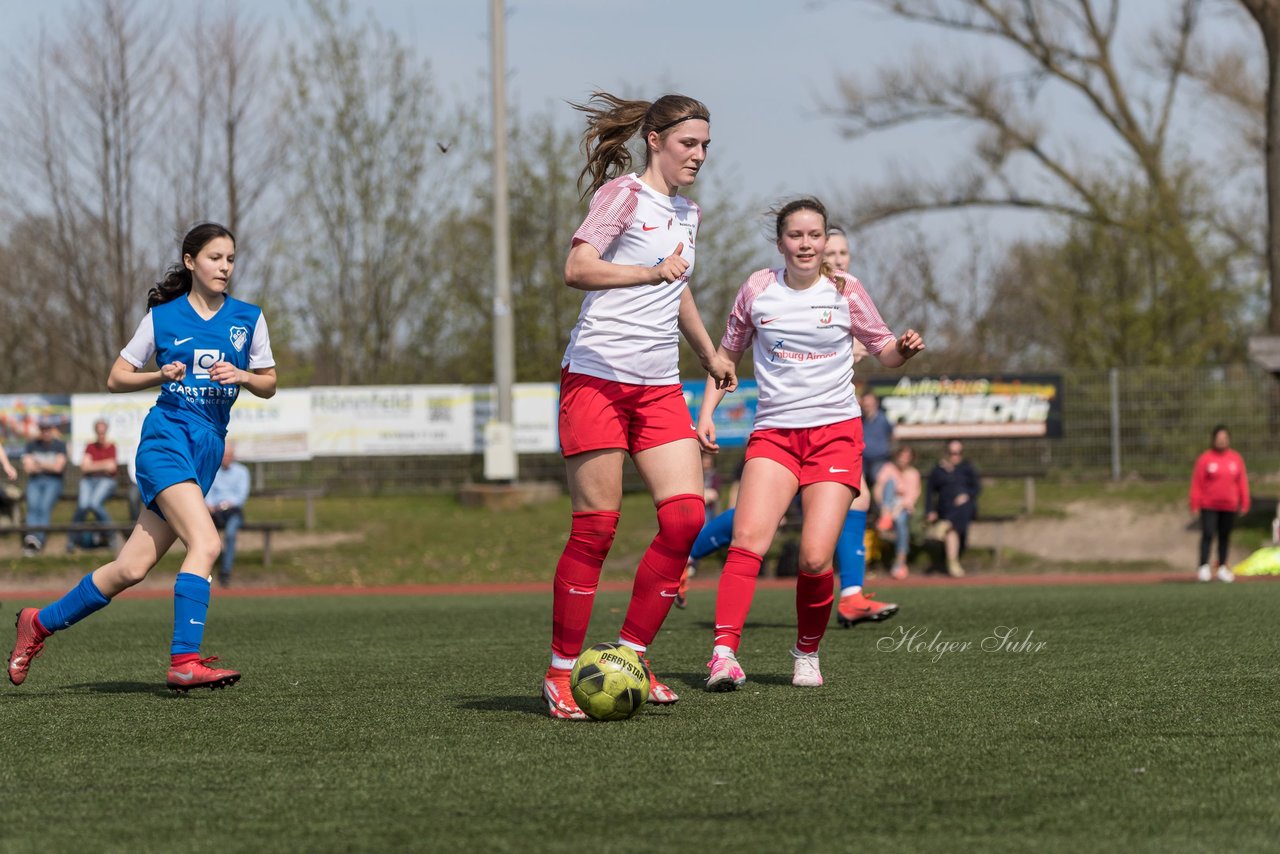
x=1146 y=721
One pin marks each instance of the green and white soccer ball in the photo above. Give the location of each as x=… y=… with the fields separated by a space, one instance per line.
x=609 y=682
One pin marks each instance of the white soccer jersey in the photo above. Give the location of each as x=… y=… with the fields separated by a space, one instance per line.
x=632 y=335
x=804 y=346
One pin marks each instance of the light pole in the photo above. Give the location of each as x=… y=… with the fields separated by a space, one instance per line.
x=500 y=449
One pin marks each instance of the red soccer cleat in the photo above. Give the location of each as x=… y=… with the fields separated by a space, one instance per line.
x=29 y=643
x=559 y=696
x=198 y=674
x=858 y=608
x=660 y=694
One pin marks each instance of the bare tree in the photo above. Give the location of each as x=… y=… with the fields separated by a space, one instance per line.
x=84 y=111
x=226 y=169
x=1229 y=74
x=1058 y=52
x=366 y=194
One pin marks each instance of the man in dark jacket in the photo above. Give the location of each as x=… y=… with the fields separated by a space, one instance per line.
x=951 y=500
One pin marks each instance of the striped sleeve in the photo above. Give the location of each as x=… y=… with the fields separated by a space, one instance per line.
x=864 y=320
x=740 y=331
x=613 y=209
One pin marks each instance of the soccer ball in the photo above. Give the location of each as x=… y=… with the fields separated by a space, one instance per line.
x=609 y=682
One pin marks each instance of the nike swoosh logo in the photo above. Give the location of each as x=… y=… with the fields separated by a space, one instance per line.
x=579 y=592
x=767 y=321
x=194 y=623
x=644 y=227
x=834 y=470
x=178 y=343
x=723 y=627
x=667 y=595
x=17 y=662
x=810 y=637
x=185 y=677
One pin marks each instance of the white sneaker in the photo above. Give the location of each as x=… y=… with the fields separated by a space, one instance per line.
x=806 y=673
x=1204 y=573
x=1226 y=575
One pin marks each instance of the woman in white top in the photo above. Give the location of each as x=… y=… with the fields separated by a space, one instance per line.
x=620 y=387
x=802 y=320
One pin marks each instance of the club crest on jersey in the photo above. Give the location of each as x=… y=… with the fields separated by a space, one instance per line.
x=824 y=318
x=240 y=336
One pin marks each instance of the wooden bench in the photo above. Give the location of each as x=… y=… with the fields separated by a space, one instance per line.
x=308 y=493
x=123 y=528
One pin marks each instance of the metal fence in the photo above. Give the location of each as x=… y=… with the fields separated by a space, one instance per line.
x=1145 y=422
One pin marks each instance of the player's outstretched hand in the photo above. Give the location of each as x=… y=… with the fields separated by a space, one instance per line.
x=173 y=372
x=225 y=373
x=707 y=436
x=671 y=268
x=910 y=344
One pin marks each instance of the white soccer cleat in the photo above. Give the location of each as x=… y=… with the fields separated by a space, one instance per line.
x=1204 y=573
x=806 y=673
x=1225 y=574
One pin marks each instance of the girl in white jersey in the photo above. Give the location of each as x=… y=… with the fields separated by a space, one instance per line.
x=804 y=318
x=620 y=382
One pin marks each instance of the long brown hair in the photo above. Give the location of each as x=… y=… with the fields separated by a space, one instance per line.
x=177 y=279
x=807 y=203
x=613 y=121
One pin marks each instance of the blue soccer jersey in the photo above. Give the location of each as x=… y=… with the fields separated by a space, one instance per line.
x=174 y=332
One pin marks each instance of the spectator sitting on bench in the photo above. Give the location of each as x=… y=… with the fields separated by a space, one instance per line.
x=6 y=466
x=98 y=468
x=951 y=497
x=226 y=500
x=44 y=460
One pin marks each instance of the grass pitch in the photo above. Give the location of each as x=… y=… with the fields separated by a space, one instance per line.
x=1146 y=721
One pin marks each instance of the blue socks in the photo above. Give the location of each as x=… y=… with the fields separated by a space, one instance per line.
x=79 y=602
x=190 y=607
x=716 y=534
x=851 y=550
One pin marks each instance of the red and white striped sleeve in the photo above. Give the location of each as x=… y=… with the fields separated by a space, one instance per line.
x=864 y=320
x=612 y=210
x=740 y=330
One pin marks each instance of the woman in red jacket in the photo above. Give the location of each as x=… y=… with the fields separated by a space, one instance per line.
x=1219 y=490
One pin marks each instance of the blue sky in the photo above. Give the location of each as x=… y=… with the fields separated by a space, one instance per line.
x=764 y=67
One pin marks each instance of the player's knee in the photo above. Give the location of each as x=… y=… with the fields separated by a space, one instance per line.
x=206 y=549
x=813 y=563
x=592 y=533
x=127 y=573
x=680 y=519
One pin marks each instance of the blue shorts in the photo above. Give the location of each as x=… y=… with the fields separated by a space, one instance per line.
x=174 y=450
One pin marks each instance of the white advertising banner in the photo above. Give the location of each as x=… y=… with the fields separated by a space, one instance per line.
x=274 y=429
x=536 y=412
x=392 y=420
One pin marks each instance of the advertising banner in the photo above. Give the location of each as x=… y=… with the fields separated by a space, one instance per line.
x=392 y=420
x=536 y=413
x=734 y=416
x=972 y=406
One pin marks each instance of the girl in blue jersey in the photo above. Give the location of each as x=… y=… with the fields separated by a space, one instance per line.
x=208 y=346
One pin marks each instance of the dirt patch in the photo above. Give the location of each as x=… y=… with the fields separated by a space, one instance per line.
x=1094 y=531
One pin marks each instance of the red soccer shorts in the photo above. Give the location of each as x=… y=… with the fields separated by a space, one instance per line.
x=832 y=452
x=596 y=413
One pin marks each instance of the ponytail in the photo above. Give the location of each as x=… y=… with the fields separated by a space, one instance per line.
x=177 y=279
x=176 y=283
x=613 y=121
